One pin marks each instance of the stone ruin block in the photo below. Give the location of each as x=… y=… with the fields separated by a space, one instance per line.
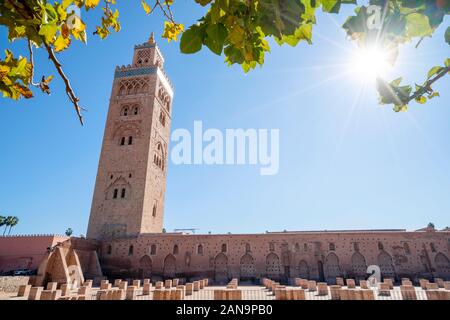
x=99 y=293
x=298 y=294
x=65 y=289
x=280 y=294
x=84 y=290
x=440 y=282
x=24 y=291
x=189 y=288
x=105 y=286
x=196 y=285
x=390 y=282
x=50 y=295
x=146 y=288
x=447 y=285
x=137 y=284
x=432 y=286
x=335 y=292
x=351 y=283
x=35 y=293
x=202 y=284
x=52 y=286
x=423 y=283
x=233 y=294
x=167 y=294
x=432 y=294
x=158 y=285
x=175 y=282
x=384 y=289
x=131 y=293
x=146 y=281
x=368 y=294
x=304 y=284
x=297 y=282
x=118 y=294
x=355 y=294
x=312 y=286
x=206 y=282
x=168 y=284
x=408 y=292
x=220 y=294
x=363 y=284
x=104 y=281
x=344 y=294
x=157 y=294
x=117 y=282
x=182 y=290
x=406 y=282
x=340 y=281
x=123 y=285
x=88 y=283
x=322 y=289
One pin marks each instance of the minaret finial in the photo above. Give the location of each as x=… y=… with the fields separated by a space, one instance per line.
x=152 y=38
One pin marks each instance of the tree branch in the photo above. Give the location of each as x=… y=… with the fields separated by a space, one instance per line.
x=427 y=86
x=69 y=90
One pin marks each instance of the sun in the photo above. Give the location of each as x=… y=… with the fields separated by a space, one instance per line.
x=370 y=62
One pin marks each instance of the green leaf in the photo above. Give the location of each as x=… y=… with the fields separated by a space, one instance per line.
x=48 y=31
x=191 y=40
x=421 y=99
x=216 y=35
x=434 y=70
x=418 y=25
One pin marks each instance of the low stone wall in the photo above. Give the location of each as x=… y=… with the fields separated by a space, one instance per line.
x=11 y=284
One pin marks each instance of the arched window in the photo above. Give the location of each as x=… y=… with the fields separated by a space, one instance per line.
x=122 y=195
x=136 y=110
x=200 y=249
x=297 y=247
x=247 y=247
x=122 y=141
x=432 y=247
x=224 y=247
x=153 y=249
x=109 y=250
x=116 y=191
x=305 y=247
x=130 y=140
x=356 y=246
x=271 y=246
x=380 y=246
x=406 y=248
x=175 y=249
x=332 y=246
x=130 y=250
x=154 y=210
x=125 y=111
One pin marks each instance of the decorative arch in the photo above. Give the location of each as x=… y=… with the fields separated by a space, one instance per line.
x=442 y=265
x=332 y=267
x=273 y=269
x=221 y=268
x=159 y=157
x=386 y=265
x=145 y=266
x=170 y=266
x=359 y=265
x=247 y=264
x=115 y=189
x=303 y=269
x=126 y=129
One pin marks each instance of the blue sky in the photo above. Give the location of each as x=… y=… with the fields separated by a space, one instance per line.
x=345 y=161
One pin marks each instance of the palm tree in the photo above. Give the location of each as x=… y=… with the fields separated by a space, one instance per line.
x=2 y=221
x=14 y=221
x=7 y=223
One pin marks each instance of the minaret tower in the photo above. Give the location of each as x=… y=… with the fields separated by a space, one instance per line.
x=131 y=179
